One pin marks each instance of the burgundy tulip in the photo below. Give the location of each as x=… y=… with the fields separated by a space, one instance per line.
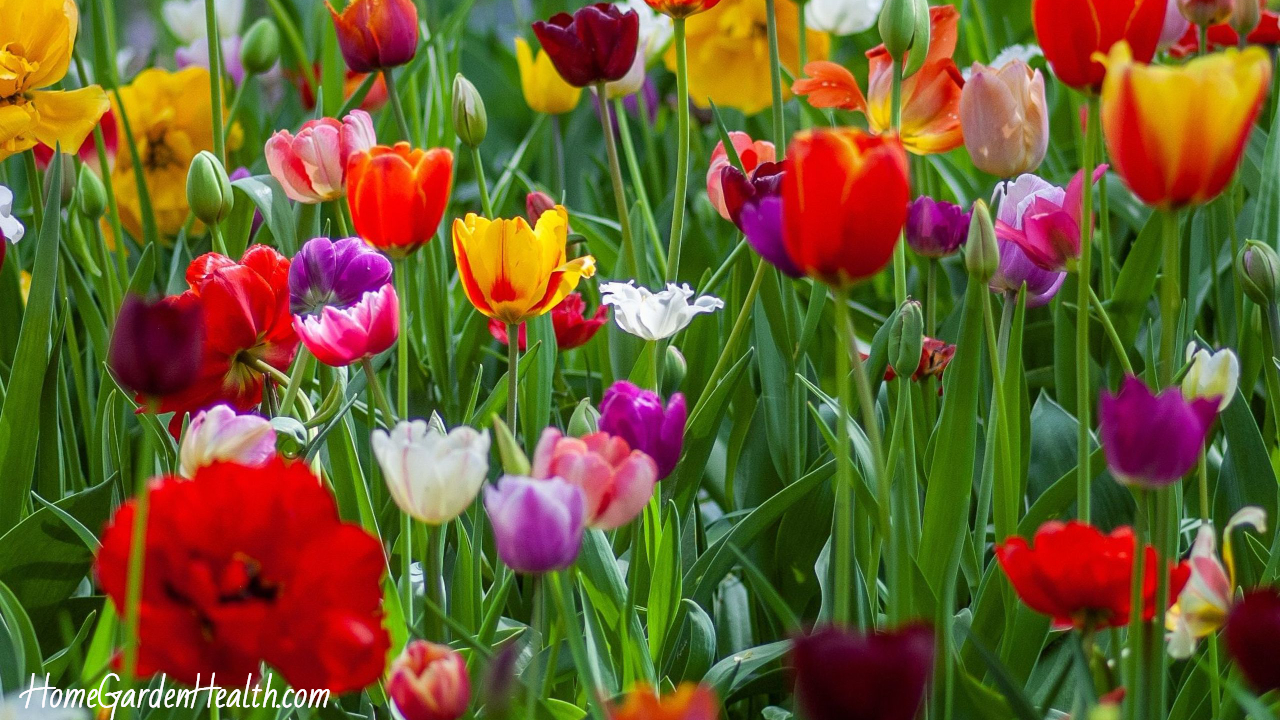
x=842 y=675
x=1252 y=634
x=637 y=416
x=1152 y=440
x=595 y=44
x=754 y=203
x=376 y=34
x=156 y=346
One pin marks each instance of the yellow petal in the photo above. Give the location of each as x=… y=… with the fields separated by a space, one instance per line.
x=67 y=117
x=16 y=125
x=42 y=32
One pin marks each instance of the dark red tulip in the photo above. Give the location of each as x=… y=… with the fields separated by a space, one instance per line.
x=1253 y=633
x=597 y=43
x=376 y=34
x=156 y=346
x=842 y=675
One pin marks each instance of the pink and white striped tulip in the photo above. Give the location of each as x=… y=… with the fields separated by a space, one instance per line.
x=617 y=480
x=340 y=336
x=312 y=165
x=219 y=434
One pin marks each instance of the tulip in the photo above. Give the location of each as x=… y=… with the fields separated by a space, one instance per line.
x=312 y=166
x=1080 y=576
x=936 y=229
x=930 y=101
x=935 y=356
x=536 y=203
x=339 y=273
x=219 y=434
x=470 y=121
x=638 y=416
x=1152 y=115
x=1152 y=440
x=88 y=150
x=1252 y=635
x=1175 y=26
x=1212 y=376
x=1004 y=118
x=342 y=336
x=429 y=682
x=544 y=90
x=1044 y=220
x=681 y=8
x=376 y=34
x=537 y=524
x=1017 y=270
x=616 y=480
x=842 y=675
x=156 y=345
x=209 y=189
x=1258 y=269
x=655 y=316
x=1073 y=32
x=1246 y=16
x=1205 y=601
x=597 y=43
x=433 y=476
x=513 y=272
x=91 y=196
x=844 y=203
x=754 y=203
x=1203 y=13
x=688 y=702
x=398 y=195
x=572 y=328
x=842 y=17
x=751 y=154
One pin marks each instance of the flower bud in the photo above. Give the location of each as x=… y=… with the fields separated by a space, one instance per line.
x=220 y=434
x=1213 y=376
x=674 y=369
x=536 y=203
x=981 y=254
x=1245 y=17
x=469 y=119
x=898 y=23
x=429 y=682
x=1258 y=268
x=156 y=347
x=260 y=50
x=585 y=419
x=1204 y=13
x=209 y=189
x=68 y=188
x=291 y=436
x=514 y=461
x=92 y=194
x=906 y=339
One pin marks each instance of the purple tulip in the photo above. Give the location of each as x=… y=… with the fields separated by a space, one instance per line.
x=1252 y=633
x=326 y=273
x=755 y=205
x=638 y=417
x=1152 y=440
x=1016 y=268
x=936 y=229
x=156 y=345
x=842 y=675
x=537 y=524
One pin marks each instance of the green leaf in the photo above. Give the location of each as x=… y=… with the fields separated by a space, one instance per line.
x=25 y=656
x=265 y=192
x=536 y=384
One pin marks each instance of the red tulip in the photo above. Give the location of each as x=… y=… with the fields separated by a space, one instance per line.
x=1072 y=32
x=573 y=328
x=398 y=195
x=1223 y=36
x=597 y=43
x=376 y=34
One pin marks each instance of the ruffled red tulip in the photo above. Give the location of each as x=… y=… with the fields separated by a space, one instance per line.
x=246 y=565
x=841 y=675
x=1252 y=634
x=1080 y=576
x=398 y=195
x=573 y=328
x=156 y=346
x=597 y=43
x=1072 y=32
x=844 y=200
x=376 y=34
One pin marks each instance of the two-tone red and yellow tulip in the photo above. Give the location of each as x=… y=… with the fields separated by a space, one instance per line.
x=376 y=34
x=1176 y=133
x=398 y=195
x=512 y=271
x=930 y=98
x=844 y=202
x=1073 y=32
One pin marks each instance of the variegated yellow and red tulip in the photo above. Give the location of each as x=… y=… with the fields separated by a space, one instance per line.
x=1176 y=134
x=930 y=98
x=513 y=272
x=1205 y=601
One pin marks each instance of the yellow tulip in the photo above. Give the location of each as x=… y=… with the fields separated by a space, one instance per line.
x=36 y=38
x=513 y=272
x=544 y=90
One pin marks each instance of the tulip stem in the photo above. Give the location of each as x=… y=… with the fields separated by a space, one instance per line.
x=401 y=278
x=682 y=151
x=1170 y=298
x=775 y=76
x=219 y=242
x=587 y=673
x=378 y=394
x=1084 y=276
x=1163 y=531
x=1006 y=512
x=340 y=218
x=899 y=249
x=485 y=204
x=397 y=109
x=34 y=188
x=1137 y=660
x=513 y=367
x=1117 y=345
x=730 y=345
x=1203 y=476
x=615 y=173
x=406 y=561
x=433 y=581
x=137 y=551
x=215 y=79
x=637 y=180
x=300 y=364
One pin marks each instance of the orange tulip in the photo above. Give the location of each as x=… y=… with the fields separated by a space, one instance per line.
x=930 y=98
x=688 y=702
x=844 y=202
x=398 y=195
x=1176 y=134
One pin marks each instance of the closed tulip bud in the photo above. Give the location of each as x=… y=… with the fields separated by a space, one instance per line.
x=156 y=347
x=1206 y=12
x=432 y=476
x=906 y=339
x=209 y=189
x=675 y=367
x=68 y=188
x=514 y=461
x=1005 y=119
x=469 y=119
x=536 y=203
x=1245 y=17
x=291 y=436
x=1258 y=267
x=981 y=253
x=1213 y=376
x=92 y=194
x=219 y=434
x=585 y=419
x=260 y=50
x=898 y=23
x=429 y=682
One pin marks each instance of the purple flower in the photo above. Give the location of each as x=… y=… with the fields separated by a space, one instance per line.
x=326 y=273
x=156 y=347
x=755 y=205
x=841 y=675
x=537 y=524
x=1152 y=440
x=638 y=417
x=936 y=229
x=1016 y=268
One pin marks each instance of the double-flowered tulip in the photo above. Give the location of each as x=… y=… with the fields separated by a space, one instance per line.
x=429 y=681
x=1153 y=440
x=345 y=307
x=376 y=34
x=544 y=90
x=220 y=434
x=537 y=524
x=841 y=674
x=597 y=43
x=616 y=480
x=156 y=346
x=1005 y=118
x=1176 y=134
x=639 y=417
x=433 y=476
x=655 y=316
x=312 y=165
x=1073 y=32
x=398 y=195
x=513 y=272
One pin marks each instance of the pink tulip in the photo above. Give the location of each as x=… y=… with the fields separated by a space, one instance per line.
x=312 y=165
x=429 y=682
x=219 y=434
x=340 y=336
x=617 y=480
x=751 y=154
x=1044 y=220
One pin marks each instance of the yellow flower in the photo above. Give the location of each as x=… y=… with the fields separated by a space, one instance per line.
x=729 y=53
x=544 y=90
x=513 y=272
x=170 y=116
x=36 y=37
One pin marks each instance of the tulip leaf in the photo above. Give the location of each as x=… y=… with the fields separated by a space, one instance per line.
x=665 y=588
x=25 y=658
x=536 y=384
x=266 y=194
x=1017 y=699
x=483 y=416
x=738 y=669
x=1266 y=216
x=690 y=655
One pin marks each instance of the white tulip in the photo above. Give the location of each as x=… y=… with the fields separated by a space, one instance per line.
x=1211 y=375
x=432 y=476
x=186 y=21
x=842 y=17
x=655 y=32
x=10 y=227
x=219 y=434
x=655 y=316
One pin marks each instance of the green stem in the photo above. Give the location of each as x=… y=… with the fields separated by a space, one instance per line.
x=1084 y=387
x=484 y=187
x=401 y=277
x=397 y=109
x=587 y=673
x=637 y=182
x=1202 y=473
x=775 y=75
x=1170 y=298
x=300 y=364
x=378 y=394
x=1117 y=345
x=730 y=345
x=615 y=172
x=215 y=79
x=35 y=188
x=842 y=535
x=682 y=153
x=1006 y=515
x=340 y=217
x=137 y=553
x=1163 y=538
x=433 y=578
x=406 y=557
x=513 y=366
x=236 y=99
x=931 y=299
x=219 y=242
x=557 y=157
